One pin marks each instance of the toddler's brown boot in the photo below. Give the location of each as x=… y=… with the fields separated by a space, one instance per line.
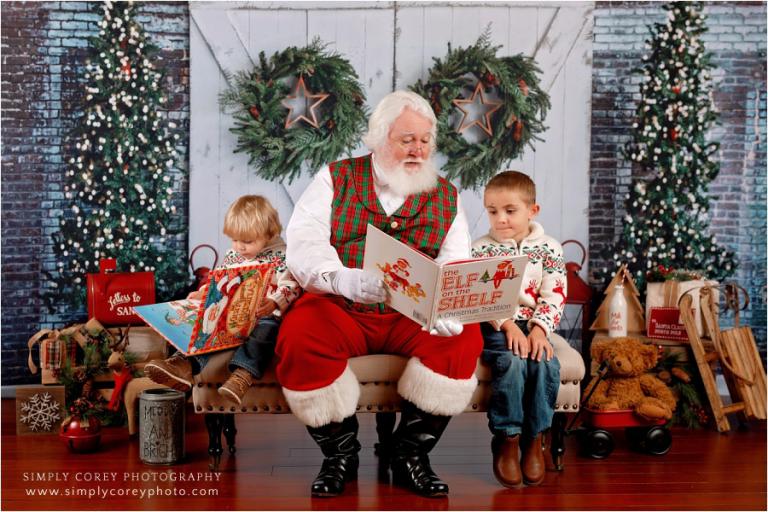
x=174 y=372
x=237 y=385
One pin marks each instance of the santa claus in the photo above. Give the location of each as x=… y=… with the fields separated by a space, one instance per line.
x=397 y=189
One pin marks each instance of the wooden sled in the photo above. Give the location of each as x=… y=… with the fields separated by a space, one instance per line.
x=735 y=350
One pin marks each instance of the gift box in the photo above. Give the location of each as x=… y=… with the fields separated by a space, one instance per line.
x=666 y=294
x=57 y=347
x=112 y=295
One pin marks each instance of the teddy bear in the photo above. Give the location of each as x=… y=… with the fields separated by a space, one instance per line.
x=627 y=385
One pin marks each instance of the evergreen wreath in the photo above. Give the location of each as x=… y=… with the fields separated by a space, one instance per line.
x=278 y=151
x=516 y=123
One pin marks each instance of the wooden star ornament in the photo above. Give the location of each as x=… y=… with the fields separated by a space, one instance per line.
x=300 y=92
x=484 y=120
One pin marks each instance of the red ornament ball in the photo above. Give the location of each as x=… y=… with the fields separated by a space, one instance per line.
x=79 y=437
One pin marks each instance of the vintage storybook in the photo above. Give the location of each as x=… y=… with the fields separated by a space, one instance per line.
x=223 y=319
x=469 y=291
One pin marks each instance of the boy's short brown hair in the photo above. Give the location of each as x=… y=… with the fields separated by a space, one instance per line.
x=252 y=217
x=515 y=181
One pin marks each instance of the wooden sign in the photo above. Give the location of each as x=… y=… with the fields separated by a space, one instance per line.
x=39 y=409
x=635 y=313
x=665 y=323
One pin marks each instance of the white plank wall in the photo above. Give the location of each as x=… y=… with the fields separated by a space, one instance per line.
x=391 y=45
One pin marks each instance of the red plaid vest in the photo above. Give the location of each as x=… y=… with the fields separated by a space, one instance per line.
x=421 y=222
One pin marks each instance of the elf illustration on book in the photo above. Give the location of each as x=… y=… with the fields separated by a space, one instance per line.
x=469 y=291
x=396 y=277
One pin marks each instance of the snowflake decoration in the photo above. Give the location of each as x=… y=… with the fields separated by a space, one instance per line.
x=40 y=412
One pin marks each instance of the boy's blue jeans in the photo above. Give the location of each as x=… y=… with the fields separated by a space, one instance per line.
x=255 y=354
x=523 y=391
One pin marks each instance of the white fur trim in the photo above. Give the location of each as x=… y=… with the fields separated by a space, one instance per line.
x=322 y=406
x=435 y=393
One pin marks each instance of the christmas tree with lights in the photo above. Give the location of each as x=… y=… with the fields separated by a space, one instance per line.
x=120 y=180
x=666 y=223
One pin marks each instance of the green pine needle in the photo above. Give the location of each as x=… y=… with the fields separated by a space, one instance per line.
x=278 y=153
x=516 y=79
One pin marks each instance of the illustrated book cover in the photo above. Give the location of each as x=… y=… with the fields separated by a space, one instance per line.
x=222 y=319
x=470 y=291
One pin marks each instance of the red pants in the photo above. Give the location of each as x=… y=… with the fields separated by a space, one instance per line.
x=320 y=333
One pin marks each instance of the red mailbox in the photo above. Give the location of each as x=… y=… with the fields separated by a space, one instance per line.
x=112 y=295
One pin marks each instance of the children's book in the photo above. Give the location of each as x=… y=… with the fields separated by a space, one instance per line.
x=470 y=291
x=223 y=319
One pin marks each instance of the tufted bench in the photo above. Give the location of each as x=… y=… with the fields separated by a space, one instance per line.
x=378 y=376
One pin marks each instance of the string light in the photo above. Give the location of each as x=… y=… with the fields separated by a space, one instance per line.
x=665 y=209
x=113 y=214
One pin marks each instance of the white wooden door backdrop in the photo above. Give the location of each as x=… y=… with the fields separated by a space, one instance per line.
x=390 y=45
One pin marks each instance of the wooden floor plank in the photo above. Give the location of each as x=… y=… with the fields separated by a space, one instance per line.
x=276 y=461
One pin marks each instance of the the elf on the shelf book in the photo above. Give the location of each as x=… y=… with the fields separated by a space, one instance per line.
x=469 y=291
x=223 y=319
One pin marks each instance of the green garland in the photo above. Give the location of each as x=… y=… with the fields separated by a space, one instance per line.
x=662 y=273
x=256 y=96
x=517 y=123
x=96 y=353
x=690 y=411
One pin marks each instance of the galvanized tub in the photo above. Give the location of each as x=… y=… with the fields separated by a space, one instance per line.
x=161 y=426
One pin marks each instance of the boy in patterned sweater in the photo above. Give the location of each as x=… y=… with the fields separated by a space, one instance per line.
x=525 y=375
x=254 y=227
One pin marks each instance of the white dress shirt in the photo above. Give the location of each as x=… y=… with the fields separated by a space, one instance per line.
x=311 y=257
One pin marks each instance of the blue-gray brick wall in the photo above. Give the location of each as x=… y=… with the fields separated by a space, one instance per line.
x=737 y=39
x=44 y=47
x=43 y=53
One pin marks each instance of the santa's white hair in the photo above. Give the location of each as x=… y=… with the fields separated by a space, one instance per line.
x=389 y=109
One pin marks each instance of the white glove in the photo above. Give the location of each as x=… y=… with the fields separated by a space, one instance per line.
x=446 y=327
x=358 y=285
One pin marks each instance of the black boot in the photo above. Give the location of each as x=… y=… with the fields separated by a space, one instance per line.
x=416 y=435
x=385 y=426
x=338 y=442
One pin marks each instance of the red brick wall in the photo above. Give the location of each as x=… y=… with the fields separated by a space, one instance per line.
x=737 y=38
x=44 y=46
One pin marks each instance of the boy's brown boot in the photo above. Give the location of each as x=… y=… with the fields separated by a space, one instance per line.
x=506 y=460
x=174 y=372
x=237 y=385
x=534 y=466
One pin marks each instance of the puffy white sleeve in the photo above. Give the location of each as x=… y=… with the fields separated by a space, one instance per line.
x=457 y=243
x=310 y=256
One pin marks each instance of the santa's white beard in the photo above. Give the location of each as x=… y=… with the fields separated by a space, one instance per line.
x=404 y=183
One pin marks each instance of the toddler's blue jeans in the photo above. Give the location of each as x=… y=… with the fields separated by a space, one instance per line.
x=255 y=354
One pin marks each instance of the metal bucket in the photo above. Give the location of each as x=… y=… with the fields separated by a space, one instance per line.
x=161 y=426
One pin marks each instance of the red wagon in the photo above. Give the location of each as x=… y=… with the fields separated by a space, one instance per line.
x=648 y=436
x=596 y=440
